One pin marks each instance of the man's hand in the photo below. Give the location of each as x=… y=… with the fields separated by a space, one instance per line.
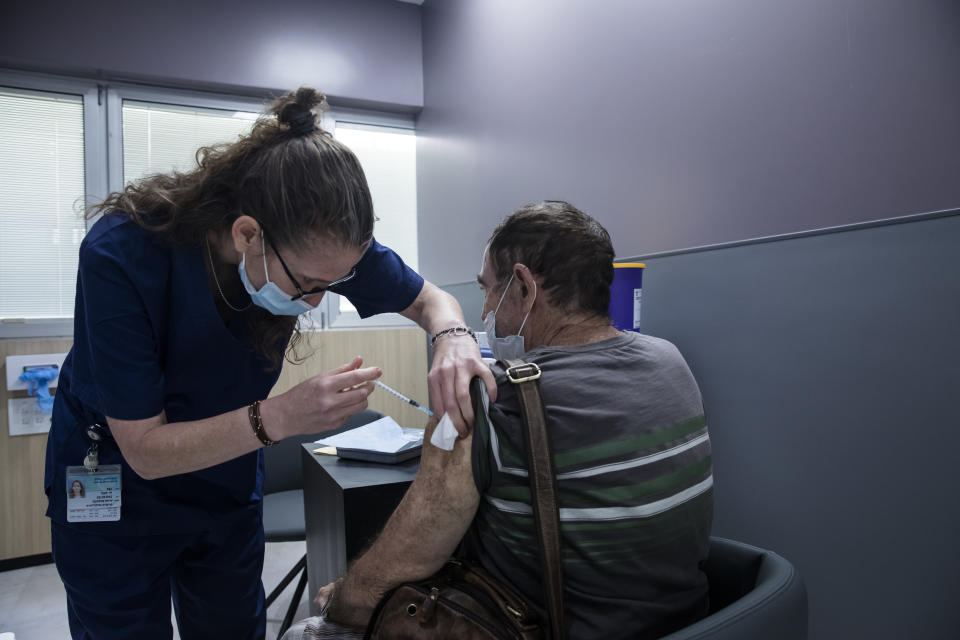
x=324 y=595
x=348 y=601
x=456 y=360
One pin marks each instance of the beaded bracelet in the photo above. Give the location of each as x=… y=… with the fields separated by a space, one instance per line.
x=456 y=331
x=257 y=423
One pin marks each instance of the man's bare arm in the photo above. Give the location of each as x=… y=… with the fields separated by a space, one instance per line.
x=421 y=534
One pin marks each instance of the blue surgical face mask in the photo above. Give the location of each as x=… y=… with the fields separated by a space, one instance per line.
x=510 y=347
x=270 y=296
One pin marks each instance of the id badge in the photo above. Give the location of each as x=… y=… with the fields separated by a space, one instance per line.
x=93 y=495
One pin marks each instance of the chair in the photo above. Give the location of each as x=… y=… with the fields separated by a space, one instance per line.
x=283 y=518
x=754 y=593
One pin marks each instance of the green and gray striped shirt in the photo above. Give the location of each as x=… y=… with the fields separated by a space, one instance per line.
x=634 y=480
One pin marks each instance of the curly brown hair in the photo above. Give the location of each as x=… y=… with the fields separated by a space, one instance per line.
x=289 y=174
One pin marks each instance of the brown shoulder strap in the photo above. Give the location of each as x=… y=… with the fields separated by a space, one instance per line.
x=543 y=486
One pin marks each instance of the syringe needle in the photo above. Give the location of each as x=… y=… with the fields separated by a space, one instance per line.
x=413 y=403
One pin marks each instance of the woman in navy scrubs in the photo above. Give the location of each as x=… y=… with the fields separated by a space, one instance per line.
x=187 y=298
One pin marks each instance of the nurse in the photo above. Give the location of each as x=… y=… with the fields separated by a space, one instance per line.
x=187 y=300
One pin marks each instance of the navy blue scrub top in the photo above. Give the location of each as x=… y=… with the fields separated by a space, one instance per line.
x=147 y=338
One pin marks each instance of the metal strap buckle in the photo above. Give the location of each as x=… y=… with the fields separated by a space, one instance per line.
x=523 y=373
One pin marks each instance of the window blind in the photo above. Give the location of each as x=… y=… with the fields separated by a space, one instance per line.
x=41 y=202
x=159 y=138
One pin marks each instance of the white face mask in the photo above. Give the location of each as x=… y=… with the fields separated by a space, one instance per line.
x=510 y=347
x=270 y=296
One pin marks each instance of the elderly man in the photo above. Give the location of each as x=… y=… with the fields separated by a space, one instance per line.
x=630 y=444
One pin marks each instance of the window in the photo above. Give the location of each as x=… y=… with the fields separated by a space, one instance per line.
x=41 y=203
x=65 y=143
x=157 y=131
x=158 y=138
x=50 y=167
x=388 y=155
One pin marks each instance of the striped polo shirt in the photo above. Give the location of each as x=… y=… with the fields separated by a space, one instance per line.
x=634 y=481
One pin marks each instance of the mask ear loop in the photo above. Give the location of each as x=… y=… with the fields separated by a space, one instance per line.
x=263 y=248
x=504 y=294
x=520 y=330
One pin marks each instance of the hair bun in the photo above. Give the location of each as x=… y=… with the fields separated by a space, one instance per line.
x=297 y=110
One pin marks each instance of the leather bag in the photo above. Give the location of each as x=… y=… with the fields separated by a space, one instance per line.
x=462 y=600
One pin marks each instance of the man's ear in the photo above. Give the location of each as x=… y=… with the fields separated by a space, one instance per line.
x=528 y=285
x=245 y=233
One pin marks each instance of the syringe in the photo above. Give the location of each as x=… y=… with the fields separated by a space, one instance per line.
x=405 y=398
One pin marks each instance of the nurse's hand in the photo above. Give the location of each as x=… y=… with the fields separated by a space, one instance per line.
x=321 y=403
x=456 y=360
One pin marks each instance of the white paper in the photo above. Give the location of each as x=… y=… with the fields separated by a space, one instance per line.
x=445 y=435
x=24 y=417
x=383 y=435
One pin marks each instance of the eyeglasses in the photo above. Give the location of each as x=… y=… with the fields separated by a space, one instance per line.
x=300 y=292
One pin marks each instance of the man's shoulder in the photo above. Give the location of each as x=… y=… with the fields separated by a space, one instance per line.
x=618 y=374
x=627 y=347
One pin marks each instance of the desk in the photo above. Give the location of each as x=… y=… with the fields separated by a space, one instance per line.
x=346 y=503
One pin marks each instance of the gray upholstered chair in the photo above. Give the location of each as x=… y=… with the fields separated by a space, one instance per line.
x=754 y=593
x=283 y=519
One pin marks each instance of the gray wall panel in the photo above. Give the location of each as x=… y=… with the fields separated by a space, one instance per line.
x=366 y=52
x=830 y=366
x=471 y=301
